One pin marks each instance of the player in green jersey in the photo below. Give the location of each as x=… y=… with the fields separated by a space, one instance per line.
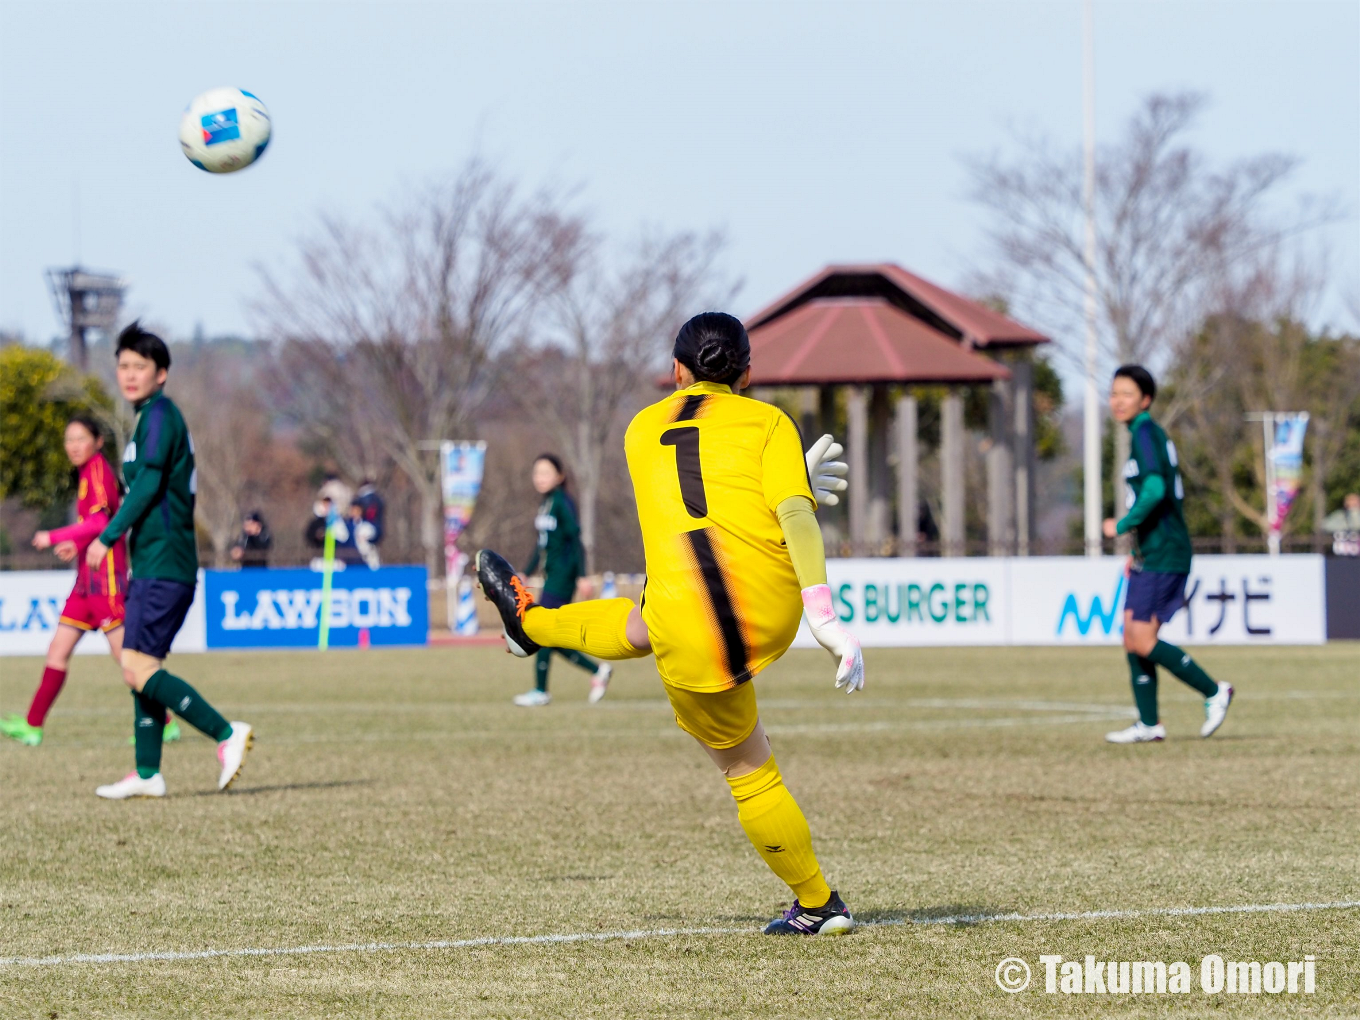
x=1160 y=564
x=560 y=553
x=157 y=515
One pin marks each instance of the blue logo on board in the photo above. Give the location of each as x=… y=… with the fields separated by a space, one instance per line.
x=221 y=126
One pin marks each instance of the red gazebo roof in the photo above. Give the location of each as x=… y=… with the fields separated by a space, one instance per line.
x=859 y=340
x=964 y=321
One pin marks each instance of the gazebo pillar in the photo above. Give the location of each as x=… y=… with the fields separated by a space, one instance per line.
x=908 y=501
x=1000 y=472
x=879 y=524
x=808 y=422
x=1022 y=379
x=857 y=448
x=951 y=473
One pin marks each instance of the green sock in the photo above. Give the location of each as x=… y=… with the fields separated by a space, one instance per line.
x=187 y=703
x=577 y=659
x=1144 y=676
x=1184 y=668
x=148 y=716
x=541 y=663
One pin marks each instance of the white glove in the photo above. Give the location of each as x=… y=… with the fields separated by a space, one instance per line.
x=827 y=629
x=827 y=473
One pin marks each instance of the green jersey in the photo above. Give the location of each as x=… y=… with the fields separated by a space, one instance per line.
x=158 y=511
x=559 y=545
x=1161 y=539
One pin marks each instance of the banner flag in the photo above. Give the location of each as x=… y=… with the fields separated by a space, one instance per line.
x=461 y=467
x=1285 y=458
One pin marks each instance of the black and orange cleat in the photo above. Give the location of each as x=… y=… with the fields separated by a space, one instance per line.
x=507 y=593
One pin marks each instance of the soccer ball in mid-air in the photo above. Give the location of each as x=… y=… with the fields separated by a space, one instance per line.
x=224 y=130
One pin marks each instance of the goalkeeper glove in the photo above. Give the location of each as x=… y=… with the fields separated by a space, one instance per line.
x=827 y=473
x=827 y=629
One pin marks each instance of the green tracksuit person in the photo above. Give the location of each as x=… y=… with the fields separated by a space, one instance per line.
x=562 y=557
x=1159 y=566
x=157 y=515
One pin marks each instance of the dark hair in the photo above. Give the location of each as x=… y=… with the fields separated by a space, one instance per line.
x=556 y=462
x=143 y=342
x=714 y=346
x=89 y=422
x=1141 y=377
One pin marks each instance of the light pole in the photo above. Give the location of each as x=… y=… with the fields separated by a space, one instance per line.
x=1091 y=426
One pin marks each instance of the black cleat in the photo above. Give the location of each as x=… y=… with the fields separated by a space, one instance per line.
x=831 y=919
x=503 y=588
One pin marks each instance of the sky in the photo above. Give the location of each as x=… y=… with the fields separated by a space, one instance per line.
x=809 y=132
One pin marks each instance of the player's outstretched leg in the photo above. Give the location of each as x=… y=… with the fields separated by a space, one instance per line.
x=598 y=627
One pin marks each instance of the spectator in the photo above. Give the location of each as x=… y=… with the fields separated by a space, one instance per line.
x=333 y=489
x=1344 y=524
x=362 y=538
x=371 y=508
x=252 y=548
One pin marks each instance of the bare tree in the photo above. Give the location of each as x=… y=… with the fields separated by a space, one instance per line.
x=611 y=320
x=397 y=323
x=1169 y=226
x=231 y=428
x=1255 y=353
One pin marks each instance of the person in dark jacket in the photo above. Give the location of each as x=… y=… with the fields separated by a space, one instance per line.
x=562 y=557
x=252 y=548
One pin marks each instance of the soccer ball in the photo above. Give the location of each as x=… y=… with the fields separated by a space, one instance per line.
x=224 y=130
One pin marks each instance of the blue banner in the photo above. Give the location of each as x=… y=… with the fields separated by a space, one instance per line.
x=281 y=608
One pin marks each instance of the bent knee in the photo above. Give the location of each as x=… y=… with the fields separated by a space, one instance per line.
x=138 y=668
x=744 y=758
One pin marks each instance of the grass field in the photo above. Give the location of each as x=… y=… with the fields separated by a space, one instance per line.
x=398 y=797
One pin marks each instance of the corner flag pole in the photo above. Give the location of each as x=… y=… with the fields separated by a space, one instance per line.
x=327 y=570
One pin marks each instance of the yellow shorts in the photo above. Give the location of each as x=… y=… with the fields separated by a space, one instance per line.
x=720 y=719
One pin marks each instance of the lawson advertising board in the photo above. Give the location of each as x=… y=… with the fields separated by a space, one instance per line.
x=1070 y=601
x=282 y=608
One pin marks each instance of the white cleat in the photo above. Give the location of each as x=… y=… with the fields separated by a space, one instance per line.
x=533 y=699
x=231 y=753
x=1216 y=710
x=1138 y=733
x=132 y=785
x=599 y=683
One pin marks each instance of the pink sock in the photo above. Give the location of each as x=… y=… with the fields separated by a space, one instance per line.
x=45 y=694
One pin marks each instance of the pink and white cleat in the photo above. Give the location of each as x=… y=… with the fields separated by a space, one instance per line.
x=231 y=753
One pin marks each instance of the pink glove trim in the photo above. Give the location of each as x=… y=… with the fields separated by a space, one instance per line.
x=817 y=605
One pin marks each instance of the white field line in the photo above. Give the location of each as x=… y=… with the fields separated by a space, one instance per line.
x=645 y=933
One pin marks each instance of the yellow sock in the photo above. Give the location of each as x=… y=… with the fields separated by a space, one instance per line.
x=597 y=627
x=777 y=829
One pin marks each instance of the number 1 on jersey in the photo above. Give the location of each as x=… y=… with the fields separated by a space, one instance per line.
x=686 y=442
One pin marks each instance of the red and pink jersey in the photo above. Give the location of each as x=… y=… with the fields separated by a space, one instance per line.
x=96 y=503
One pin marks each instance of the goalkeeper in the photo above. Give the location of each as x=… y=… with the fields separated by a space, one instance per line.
x=734 y=557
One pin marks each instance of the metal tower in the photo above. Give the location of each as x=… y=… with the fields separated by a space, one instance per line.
x=86 y=300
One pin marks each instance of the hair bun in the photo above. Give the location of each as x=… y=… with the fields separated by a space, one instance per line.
x=714 y=360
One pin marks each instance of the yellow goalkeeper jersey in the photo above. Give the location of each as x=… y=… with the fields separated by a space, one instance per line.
x=709 y=468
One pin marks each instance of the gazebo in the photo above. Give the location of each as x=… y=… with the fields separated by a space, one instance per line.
x=875 y=326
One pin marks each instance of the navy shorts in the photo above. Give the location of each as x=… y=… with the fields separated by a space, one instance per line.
x=1152 y=593
x=155 y=610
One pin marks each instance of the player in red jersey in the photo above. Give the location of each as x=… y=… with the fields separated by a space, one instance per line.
x=96 y=601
